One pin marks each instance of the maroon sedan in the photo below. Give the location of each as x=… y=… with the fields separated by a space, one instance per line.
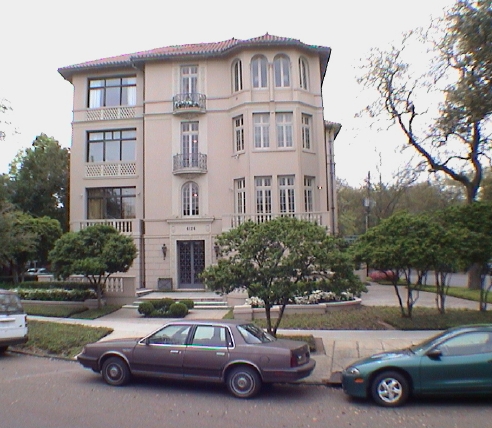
x=240 y=354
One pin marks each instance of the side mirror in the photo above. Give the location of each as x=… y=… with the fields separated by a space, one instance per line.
x=434 y=353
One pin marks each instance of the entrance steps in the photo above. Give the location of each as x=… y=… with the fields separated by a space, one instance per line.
x=201 y=299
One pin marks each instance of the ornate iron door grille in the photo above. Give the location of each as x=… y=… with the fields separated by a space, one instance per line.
x=191 y=263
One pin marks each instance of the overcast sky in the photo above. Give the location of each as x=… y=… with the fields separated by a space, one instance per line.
x=38 y=37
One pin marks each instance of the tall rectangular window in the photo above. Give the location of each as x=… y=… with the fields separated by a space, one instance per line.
x=306 y=131
x=286 y=193
x=308 y=194
x=261 y=123
x=239 y=133
x=284 y=129
x=263 y=190
x=240 y=198
x=189 y=79
x=237 y=76
x=111 y=146
x=113 y=92
x=111 y=203
x=189 y=143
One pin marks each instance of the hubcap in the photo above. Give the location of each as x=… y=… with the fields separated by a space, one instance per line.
x=114 y=372
x=390 y=390
x=243 y=383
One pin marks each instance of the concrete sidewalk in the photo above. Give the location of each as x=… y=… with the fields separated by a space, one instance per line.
x=341 y=347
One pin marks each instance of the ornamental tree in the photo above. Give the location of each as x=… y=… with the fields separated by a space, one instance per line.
x=95 y=252
x=280 y=259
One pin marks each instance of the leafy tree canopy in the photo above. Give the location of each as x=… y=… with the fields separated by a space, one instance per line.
x=280 y=259
x=95 y=252
x=38 y=180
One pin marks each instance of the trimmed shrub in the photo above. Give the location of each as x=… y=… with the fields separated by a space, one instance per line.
x=190 y=304
x=178 y=310
x=145 y=308
x=162 y=304
x=55 y=294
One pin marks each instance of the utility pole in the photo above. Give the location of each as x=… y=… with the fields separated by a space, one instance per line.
x=367 y=200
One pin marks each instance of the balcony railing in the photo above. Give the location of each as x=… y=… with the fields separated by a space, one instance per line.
x=111 y=113
x=125 y=226
x=232 y=221
x=195 y=163
x=189 y=103
x=110 y=169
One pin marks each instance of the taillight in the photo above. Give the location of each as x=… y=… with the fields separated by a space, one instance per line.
x=294 y=360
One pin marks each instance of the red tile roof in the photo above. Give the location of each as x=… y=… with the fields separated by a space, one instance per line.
x=195 y=50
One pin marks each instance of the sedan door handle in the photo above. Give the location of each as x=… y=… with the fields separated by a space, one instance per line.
x=220 y=354
x=175 y=351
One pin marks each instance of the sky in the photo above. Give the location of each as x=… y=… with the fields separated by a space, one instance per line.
x=38 y=37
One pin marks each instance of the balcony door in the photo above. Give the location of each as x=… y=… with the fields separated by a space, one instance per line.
x=189 y=144
x=191 y=262
x=189 y=79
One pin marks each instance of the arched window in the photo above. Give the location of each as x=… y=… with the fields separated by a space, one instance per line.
x=190 y=199
x=281 y=67
x=303 y=73
x=237 y=76
x=259 y=72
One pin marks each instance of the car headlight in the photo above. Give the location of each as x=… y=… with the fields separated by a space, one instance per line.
x=352 y=371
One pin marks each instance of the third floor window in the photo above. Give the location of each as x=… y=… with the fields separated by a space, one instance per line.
x=259 y=72
x=237 y=76
x=281 y=66
x=189 y=79
x=113 y=92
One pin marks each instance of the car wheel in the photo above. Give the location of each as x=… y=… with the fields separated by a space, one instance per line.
x=3 y=349
x=115 y=371
x=243 y=382
x=390 y=389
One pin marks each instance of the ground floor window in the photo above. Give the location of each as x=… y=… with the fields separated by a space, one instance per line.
x=111 y=203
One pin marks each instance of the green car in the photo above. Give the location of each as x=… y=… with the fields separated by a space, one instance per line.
x=456 y=361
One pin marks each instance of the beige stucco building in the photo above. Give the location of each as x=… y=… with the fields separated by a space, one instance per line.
x=178 y=144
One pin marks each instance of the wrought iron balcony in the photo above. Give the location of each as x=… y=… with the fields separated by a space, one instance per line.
x=189 y=103
x=195 y=163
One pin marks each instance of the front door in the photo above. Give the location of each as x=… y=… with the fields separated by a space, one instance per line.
x=191 y=262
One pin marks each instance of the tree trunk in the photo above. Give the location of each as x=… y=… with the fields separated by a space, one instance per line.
x=474 y=274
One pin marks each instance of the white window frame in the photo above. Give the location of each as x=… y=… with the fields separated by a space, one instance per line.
x=238 y=124
x=259 y=72
x=281 y=71
x=189 y=79
x=306 y=129
x=286 y=191
x=189 y=143
x=237 y=76
x=261 y=124
x=240 y=196
x=190 y=199
x=285 y=137
x=308 y=194
x=263 y=200
x=303 y=74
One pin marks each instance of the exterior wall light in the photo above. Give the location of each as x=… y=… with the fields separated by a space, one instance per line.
x=164 y=251
x=217 y=250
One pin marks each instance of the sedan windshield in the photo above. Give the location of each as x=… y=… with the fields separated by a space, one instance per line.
x=253 y=334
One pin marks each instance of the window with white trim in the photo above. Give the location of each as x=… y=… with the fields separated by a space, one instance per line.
x=261 y=123
x=308 y=194
x=306 y=120
x=189 y=79
x=240 y=199
x=281 y=67
x=286 y=194
x=284 y=129
x=190 y=199
x=259 y=72
x=237 y=76
x=303 y=73
x=263 y=190
x=238 y=133
x=111 y=146
x=112 y=92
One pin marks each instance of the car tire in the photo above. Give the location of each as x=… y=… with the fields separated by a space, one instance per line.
x=390 y=389
x=115 y=371
x=3 y=349
x=243 y=382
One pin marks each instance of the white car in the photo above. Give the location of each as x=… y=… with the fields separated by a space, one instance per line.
x=13 y=323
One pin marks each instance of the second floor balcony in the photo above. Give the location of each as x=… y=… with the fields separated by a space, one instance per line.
x=190 y=163
x=189 y=103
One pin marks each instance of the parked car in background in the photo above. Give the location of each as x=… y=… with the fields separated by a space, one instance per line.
x=13 y=324
x=457 y=361
x=34 y=272
x=239 y=354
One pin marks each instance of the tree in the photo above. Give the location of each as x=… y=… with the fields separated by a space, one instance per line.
x=95 y=252
x=280 y=259
x=406 y=242
x=453 y=137
x=38 y=182
x=4 y=108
